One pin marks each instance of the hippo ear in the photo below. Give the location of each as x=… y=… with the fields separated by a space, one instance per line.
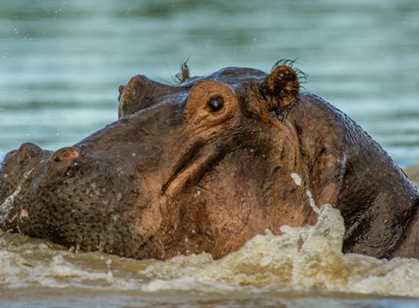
x=140 y=93
x=281 y=88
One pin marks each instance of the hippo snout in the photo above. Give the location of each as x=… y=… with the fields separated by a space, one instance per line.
x=17 y=162
x=16 y=173
x=23 y=155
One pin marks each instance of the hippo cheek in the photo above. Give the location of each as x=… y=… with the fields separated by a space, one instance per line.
x=150 y=217
x=236 y=200
x=219 y=210
x=211 y=221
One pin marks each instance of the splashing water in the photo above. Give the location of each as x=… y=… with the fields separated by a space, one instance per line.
x=300 y=259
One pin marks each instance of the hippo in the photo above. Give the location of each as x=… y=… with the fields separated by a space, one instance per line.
x=206 y=164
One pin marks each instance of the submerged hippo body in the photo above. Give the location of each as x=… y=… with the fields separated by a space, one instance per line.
x=204 y=166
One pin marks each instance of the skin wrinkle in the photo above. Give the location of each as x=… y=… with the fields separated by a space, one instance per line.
x=210 y=144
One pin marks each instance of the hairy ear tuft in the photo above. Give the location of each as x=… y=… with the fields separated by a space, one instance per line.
x=281 y=88
x=184 y=73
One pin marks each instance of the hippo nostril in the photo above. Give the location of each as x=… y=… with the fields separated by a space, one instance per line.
x=66 y=154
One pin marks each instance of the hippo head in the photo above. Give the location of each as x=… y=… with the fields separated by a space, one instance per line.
x=201 y=166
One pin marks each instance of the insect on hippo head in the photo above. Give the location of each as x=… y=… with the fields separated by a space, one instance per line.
x=201 y=166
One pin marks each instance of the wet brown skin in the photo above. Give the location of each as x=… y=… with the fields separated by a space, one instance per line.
x=204 y=166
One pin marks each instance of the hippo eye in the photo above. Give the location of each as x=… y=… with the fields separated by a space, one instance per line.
x=215 y=104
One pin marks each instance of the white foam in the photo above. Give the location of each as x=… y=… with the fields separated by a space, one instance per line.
x=300 y=258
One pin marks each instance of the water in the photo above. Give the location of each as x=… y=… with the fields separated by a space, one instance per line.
x=60 y=66
x=61 y=61
x=302 y=267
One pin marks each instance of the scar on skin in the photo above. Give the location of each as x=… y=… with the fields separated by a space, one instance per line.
x=311 y=202
x=297 y=179
x=8 y=203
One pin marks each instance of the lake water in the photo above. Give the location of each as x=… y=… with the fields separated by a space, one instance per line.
x=61 y=63
x=303 y=267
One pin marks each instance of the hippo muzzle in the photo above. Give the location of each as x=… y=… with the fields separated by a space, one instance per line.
x=73 y=197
